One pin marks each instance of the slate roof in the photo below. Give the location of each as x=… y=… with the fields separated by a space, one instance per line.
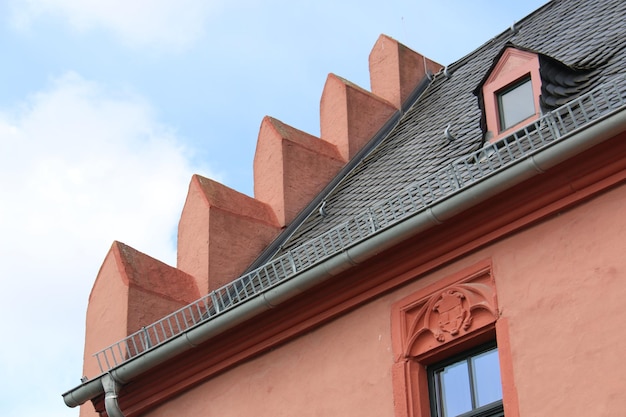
x=412 y=165
x=578 y=40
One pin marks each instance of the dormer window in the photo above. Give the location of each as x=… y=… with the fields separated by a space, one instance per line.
x=510 y=93
x=516 y=103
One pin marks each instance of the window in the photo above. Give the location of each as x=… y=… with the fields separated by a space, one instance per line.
x=516 y=103
x=510 y=93
x=446 y=363
x=467 y=386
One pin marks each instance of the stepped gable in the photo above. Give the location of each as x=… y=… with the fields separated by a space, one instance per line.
x=220 y=232
x=395 y=70
x=291 y=167
x=131 y=290
x=429 y=118
x=350 y=115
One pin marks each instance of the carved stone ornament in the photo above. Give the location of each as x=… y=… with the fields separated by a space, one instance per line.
x=453 y=314
x=430 y=319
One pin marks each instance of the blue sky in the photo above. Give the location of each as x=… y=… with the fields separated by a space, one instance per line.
x=108 y=107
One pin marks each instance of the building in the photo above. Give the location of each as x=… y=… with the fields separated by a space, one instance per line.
x=453 y=245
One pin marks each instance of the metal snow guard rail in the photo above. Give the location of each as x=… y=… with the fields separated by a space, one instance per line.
x=456 y=176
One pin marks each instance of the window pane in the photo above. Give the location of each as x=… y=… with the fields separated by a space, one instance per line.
x=516 y=104
x=486 y=369
x=455 y=396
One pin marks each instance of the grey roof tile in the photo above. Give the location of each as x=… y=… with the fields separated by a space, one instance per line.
x=580 y=33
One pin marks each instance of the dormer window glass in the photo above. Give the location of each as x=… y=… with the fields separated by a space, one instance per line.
x=516 y=103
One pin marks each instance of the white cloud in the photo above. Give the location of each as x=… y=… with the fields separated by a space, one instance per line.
x=161 y=23
x=76 y=154
x=79 y=168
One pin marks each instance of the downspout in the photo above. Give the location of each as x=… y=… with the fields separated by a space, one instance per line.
x=110 y=396
x=592 y=135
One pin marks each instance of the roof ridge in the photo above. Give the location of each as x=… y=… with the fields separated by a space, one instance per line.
x=504 y=35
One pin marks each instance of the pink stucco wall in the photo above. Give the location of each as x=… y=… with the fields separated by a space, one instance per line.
x=560 y=286
x=563 y=286
x=309 y=377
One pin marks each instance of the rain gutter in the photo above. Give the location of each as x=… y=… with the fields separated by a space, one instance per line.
x=570 y=145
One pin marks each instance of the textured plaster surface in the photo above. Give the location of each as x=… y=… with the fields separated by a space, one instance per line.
x=560 y=288
x=350 y=116
x=106 y=317
x=220 y=232
x=396 y=70
x=337 y=370
x=131 y=290
x=291 y=167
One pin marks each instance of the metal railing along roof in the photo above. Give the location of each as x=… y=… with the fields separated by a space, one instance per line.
x=449 y=180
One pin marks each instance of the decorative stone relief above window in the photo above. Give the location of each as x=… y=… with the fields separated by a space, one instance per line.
x=428 y=321
x=436 y=323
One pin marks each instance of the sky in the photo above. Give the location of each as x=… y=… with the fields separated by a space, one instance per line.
x=108 y=107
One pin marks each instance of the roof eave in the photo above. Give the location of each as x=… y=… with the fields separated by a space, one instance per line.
x=570 y=145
